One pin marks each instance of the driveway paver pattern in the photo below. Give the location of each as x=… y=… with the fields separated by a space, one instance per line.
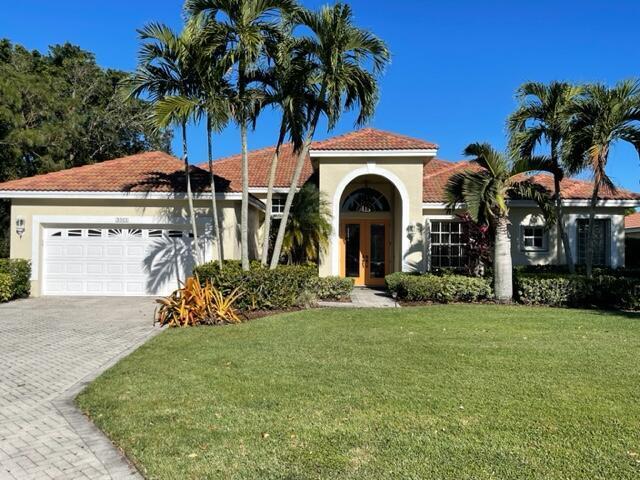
x=50 y=349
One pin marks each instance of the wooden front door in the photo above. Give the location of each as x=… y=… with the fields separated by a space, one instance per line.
x=365 y=250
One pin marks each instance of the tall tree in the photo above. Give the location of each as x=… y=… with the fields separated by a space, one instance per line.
x=60 y=109
x=249 y=25
x=166 y=73
x=288 y=87
x=347 y=60
x=602 y=117
x=213 y=102
x=542 y=119
x=484 y=191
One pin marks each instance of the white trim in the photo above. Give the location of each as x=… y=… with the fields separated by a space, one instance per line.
x=565 y=203
x=92 y=195
x=275 y=190
x=370 y=169
x=39 y=222
x=422 y=152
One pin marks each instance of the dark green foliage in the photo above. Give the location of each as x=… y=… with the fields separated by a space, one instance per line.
x=561 y=290
x=61 y=109
x=6 y=287
x=332 y=288
x=19 y=274
x=263 y=289
x=439 y=288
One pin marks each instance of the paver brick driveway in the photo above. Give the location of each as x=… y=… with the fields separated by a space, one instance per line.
x=50 y=348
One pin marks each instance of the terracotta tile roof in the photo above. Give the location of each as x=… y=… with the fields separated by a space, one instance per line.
x=372 y=139
x=632 y=221
x=229 y=168
x=143 y=172
x=437 y=173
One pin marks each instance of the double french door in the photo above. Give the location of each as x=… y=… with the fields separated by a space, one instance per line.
x=365 y=251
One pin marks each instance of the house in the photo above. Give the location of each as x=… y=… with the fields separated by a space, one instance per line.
x=121 y=227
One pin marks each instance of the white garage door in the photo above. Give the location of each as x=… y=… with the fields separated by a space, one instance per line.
x=115 y=261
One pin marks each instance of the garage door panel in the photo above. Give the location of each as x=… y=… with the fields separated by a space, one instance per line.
x=106 y=261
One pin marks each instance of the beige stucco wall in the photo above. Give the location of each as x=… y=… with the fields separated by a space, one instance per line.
x=406 y=175
x=41 y=213
x=521 y=215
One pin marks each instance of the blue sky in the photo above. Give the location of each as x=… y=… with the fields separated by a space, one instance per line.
x=456 y=65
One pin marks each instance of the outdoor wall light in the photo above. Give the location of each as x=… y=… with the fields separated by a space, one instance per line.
x=20 y=226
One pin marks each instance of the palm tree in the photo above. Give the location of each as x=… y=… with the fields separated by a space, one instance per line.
x=287 y=87
x=542 y=117
x=309 y=227
x=166 y=72
x=347 y=60
x=602 y=117
x=213 y=100
x=248 y=25
x=485 y=191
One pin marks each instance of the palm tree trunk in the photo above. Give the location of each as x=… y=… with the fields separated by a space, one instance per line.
x=272 y=181
x=244 y=208
x=214 y=201
x=502 y=264
x=302 y=156
x=192 y=213
x=562 y=239
x=592 y=223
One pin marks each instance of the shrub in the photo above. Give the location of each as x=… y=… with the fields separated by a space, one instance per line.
x=262 y=288
x=6 y=287
x=393 y=280
x=332 y=288
x=19 y=271
x=196 y=304
x=441 y=289
x=559 y=290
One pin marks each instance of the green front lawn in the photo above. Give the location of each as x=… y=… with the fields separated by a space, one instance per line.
x=440 y=392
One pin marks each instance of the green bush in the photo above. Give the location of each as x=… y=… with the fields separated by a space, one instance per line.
x=263 y=289
x=332 y=288
x=439 y=288
x=563 y=290
x=6 y=287
x=19 y=271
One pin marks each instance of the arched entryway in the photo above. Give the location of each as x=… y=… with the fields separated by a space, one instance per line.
x=369 y=230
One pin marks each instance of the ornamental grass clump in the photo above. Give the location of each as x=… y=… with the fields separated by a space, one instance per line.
x=197 y=304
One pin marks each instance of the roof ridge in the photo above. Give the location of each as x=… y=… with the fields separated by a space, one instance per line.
x=448 y=168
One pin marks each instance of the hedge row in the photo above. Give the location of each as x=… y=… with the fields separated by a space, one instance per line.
x=601 y=291
x=551 y=289
x=438 y=288
x=15 y=279
x=263 y=289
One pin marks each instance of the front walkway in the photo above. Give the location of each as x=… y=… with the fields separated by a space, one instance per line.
x=51 y=348
x=364 y=297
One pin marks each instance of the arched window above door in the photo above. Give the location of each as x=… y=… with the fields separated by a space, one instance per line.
x=365 y=200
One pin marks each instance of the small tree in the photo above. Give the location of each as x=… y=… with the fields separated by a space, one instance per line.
x=480 y=244
x=485 y=192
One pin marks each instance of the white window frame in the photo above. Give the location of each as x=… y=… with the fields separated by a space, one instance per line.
x=532 y=248
x=444 y=219
x=277 y=206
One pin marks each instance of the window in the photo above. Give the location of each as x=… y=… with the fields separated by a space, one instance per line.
x=74 y=233
x=449 y=242
x=366 y=200
x=601 y=236
x=93 y=232
x=534 y=238
x=277 y=205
